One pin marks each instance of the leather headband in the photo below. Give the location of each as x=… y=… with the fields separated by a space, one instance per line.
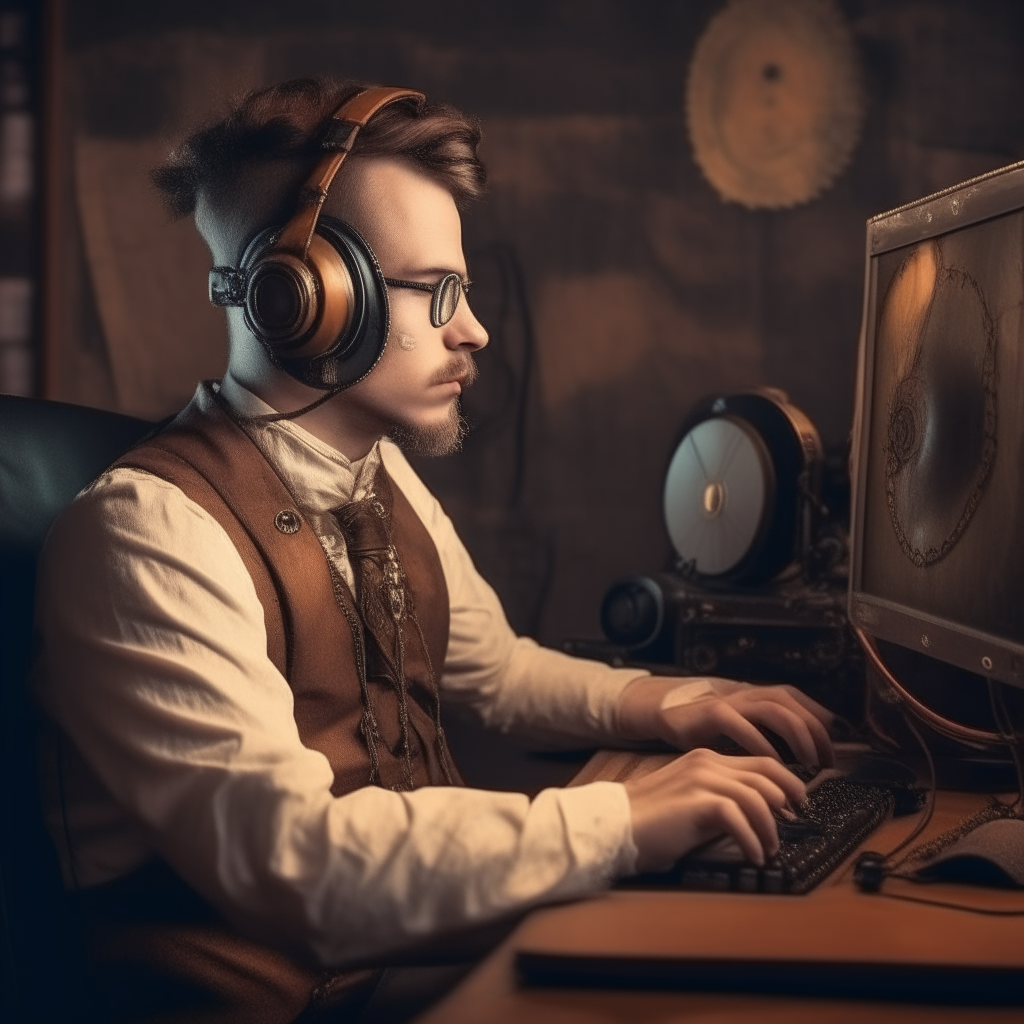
x=343 y=127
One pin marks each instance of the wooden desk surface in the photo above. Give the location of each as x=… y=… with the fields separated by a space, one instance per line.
x=833 y=921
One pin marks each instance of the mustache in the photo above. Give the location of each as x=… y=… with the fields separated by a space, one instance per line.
x=460 y=367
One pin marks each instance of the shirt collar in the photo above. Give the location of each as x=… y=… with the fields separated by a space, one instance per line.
x=319 y=476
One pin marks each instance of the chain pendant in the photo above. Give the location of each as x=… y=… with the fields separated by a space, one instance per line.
x=393 y=579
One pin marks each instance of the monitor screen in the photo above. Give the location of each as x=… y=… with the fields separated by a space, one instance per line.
x=938 y=474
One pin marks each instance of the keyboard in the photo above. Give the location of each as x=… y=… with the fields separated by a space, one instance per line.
x=837 y=816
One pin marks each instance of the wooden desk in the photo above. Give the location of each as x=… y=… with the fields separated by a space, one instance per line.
x=833 y=921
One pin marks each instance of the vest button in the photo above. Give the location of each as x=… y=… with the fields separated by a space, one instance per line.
x=288 y=521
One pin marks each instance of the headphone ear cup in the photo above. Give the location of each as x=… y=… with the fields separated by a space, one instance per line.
x=325 y=319
x=330 y=305
x=297 y=308
x=281 y=301
x=354 y=283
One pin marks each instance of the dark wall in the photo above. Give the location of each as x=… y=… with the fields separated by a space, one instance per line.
x=616 y=285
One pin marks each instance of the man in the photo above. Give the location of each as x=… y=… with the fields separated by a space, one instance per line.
x=249 y=623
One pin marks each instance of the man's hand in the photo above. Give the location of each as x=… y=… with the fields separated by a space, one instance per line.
x=687 y=713
x=701 y=795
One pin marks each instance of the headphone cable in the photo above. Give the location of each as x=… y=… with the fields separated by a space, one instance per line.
x=276 y=417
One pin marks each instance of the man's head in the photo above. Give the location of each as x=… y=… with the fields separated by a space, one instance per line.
x=401 y=189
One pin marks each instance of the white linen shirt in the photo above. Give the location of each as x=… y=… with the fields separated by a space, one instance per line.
x=184 y=742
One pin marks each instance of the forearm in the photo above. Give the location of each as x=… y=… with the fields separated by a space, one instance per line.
x=375 y=870
x=544 y=696
x=640 y=713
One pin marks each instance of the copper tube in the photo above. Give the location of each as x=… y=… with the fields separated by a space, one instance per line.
x=944 y=726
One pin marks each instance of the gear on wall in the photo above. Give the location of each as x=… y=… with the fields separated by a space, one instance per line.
x=774 y=100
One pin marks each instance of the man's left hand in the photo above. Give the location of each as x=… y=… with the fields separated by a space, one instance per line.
x=687 y=713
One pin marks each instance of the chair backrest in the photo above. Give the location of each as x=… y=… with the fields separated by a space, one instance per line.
x=48 y=452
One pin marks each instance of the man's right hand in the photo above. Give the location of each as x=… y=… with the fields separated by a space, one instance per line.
x=701 y=795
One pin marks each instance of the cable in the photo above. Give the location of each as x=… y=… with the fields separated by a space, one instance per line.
x=949 y=904
x=872 y=869
x=929 y=807
x=515 y=273
x=275 y=417
x=1013 y=739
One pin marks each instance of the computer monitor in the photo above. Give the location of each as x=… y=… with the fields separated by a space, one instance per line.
x=937 y=552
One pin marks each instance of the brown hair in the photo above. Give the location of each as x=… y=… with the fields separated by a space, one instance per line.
x=285 y=121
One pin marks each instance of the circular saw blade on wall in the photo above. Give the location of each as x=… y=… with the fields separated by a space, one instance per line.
x=774 y=100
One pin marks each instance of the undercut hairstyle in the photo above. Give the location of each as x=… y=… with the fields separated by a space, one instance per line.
x=286 y=122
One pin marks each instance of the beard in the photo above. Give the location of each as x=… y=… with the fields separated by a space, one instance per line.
x=444 y=438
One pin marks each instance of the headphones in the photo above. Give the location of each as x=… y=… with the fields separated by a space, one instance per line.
x=312 y=292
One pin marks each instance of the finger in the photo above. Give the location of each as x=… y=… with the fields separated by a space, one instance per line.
x=785 y=696
x=769 y=767
x=789 y=725
x=809 y=711
x=727 y=816
x=794 y=788
x=732 y=724
x=754 y=807
x=738 y=769
x=822 y=743
x=821 y=713
x=773 y=794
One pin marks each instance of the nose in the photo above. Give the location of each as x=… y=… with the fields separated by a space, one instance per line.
x=464 y=330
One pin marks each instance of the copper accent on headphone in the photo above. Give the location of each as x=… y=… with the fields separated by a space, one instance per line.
x=279 y=287
x=333 y=284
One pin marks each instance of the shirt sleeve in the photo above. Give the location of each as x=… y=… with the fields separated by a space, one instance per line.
x=154 y=664
x=511 y=683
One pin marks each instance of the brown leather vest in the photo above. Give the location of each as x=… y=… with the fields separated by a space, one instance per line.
x=348 y=703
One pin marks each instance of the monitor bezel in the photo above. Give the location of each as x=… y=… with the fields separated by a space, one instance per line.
x=972 y=202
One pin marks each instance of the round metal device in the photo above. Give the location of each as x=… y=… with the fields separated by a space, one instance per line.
x=742 y=487
x=717 y=492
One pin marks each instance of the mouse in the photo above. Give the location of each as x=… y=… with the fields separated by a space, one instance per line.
x=991 y=854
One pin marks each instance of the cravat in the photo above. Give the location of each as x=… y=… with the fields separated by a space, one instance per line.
x=387 y=616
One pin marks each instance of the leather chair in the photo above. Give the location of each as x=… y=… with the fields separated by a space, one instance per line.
x=48 y=452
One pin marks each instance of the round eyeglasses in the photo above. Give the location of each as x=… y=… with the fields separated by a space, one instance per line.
x=444 y=296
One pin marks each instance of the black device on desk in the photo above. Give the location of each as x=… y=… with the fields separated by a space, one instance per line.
x=757 y=512
x=840 y=812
